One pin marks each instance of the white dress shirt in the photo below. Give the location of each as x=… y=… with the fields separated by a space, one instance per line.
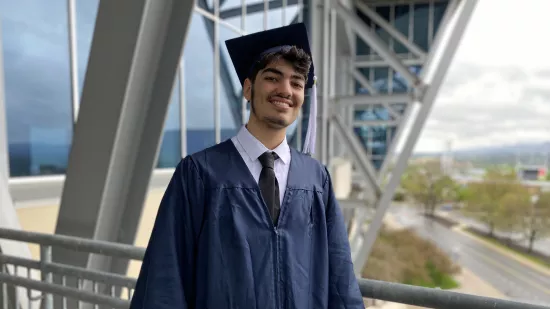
x=251 y=149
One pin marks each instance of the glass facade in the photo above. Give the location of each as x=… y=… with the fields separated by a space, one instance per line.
x=417 y=21
x=35 y=35
x=38 y=83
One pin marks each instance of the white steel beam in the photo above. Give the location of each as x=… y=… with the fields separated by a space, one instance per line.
x=376 y=43
x=256 y=8
x=389 y=123
x=374 y=61
x=365 y=83
x=365 y=99
x=452 y=32
x=134 y=56
x=391 y=149
x=4 y=151
x=384 y=24
x=449 y=13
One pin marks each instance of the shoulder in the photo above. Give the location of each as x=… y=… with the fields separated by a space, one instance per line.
x=313 y=171
x=204 y=160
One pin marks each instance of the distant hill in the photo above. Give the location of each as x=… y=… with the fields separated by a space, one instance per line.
x=525 y=153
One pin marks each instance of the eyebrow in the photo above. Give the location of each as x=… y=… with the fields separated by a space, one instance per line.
x=275 y=71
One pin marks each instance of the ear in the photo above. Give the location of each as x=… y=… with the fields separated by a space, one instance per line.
x=247 y=89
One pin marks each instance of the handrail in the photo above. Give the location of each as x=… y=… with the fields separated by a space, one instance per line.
x=68 y=270
x=435 y=298
x=393 y=292
x=75 y=243
x=82 y=295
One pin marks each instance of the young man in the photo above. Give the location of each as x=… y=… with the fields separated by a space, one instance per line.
x=251 y=223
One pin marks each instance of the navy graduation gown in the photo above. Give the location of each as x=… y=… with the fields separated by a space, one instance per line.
x=214 y=246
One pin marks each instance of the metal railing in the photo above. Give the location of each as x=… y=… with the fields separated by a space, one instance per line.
x=44 y=269
x=10 y=277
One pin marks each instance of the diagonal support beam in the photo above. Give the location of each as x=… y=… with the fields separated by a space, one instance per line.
x=396 y=34
x=365 y=83
x=357 y=151
x=367 y=61
x=452 y=32
x=376 y=43
x=136 y=48
x=391 y=149
x=362 y=123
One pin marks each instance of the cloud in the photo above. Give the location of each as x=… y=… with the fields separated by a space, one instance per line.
x=489 y=105
x=497 y=90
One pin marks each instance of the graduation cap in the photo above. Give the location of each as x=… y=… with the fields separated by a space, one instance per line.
x=246 y=50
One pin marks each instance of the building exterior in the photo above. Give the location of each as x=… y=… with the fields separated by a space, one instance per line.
x=92 y=120
x=41 y=51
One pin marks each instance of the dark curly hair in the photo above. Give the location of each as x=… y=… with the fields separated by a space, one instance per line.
x=299 y=59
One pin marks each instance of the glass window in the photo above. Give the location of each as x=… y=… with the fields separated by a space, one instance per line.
x=231 y=102
x=199 y=86
x=86 y=12
x=401 y=24
x=36 y=69
x=376 y=139
x=170 y=148
x=421 y=13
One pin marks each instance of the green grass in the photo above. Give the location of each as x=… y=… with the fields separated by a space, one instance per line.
x=437 y=280
x=499 y=244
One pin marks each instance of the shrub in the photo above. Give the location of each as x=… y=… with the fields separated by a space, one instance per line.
x=403 y=257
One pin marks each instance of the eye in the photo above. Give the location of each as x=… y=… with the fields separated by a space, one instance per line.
x=297 y=85
x=271 y=78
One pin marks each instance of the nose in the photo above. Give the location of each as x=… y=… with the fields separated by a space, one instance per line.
x=284 y=89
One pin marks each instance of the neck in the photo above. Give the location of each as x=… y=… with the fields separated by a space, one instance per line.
x=269 y=137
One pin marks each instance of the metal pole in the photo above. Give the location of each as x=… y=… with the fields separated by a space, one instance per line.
x=73 y=58
x=325 y=81
x=46 y=258
x=216 y=44
x=266 y=11
x=4 y=156
x=332 y=82
x=183 y=107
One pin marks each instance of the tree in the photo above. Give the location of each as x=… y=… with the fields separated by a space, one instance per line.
x=537 y=219
x=486 y=198
x=427 y=185
x=510 y=216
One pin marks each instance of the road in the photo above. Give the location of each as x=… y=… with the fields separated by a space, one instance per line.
x=541 y=245
x=514 y=279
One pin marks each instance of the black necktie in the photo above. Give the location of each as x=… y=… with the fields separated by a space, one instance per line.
x=269 y=184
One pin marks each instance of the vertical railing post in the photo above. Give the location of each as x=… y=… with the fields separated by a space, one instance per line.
x=4 y=288
x=45 y=258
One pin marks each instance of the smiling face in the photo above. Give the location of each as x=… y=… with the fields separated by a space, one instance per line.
x=276 y=91
x=277 y=94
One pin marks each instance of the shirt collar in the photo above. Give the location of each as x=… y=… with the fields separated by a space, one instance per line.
x=254 y=148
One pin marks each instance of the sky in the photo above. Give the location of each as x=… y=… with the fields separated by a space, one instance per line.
x=497 y=89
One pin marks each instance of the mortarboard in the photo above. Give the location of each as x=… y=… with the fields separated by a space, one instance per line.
x=246 y=50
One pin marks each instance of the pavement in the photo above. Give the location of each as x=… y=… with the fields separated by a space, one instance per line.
x=504 y=273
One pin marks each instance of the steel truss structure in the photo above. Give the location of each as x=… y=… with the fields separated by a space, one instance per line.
x=110 y=166
x=340 y=127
